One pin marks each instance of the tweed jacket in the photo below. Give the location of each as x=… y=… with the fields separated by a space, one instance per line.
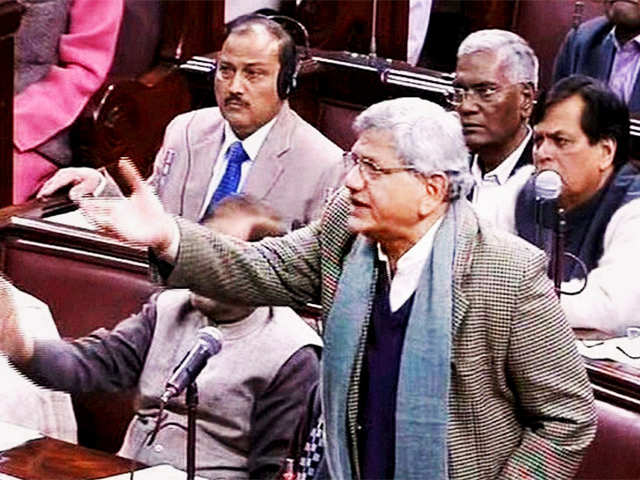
x=295 y=169
x=589 y=50
x=520 y=403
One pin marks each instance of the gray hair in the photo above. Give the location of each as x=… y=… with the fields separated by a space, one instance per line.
x=514 y=52
x=426 y=137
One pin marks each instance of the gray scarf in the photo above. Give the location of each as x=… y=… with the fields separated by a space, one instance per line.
x=423 y=384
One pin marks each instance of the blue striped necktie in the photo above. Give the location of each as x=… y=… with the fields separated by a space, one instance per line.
x=235 y=157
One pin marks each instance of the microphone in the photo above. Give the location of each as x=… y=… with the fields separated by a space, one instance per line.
x=208 y=343
x=548 y=185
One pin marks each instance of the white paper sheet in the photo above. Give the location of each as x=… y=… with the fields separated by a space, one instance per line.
x=14 y=435
x=623 y=349
x=165 y=472
x=73 y=219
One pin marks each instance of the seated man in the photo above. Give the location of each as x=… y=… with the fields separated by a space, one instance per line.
x=251 y=142
x=607 y=48
x=447 y=354
x=494 y=89
x=251 y=394
x=582 y=133
x=23 y=403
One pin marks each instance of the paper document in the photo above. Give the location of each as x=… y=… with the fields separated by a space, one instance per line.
x=623 y=349
x=165 y=472
x=13 y=435
x=72 y=219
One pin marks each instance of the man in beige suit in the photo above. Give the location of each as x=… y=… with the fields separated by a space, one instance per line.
x=447 y=354
x=286 y=162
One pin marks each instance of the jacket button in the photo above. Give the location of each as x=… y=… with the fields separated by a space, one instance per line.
x=158 y=448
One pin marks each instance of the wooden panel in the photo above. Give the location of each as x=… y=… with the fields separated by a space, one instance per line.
x=85 y=281
x=89 y=282
x=545 y=23
x=346 y=25
x=10 y=14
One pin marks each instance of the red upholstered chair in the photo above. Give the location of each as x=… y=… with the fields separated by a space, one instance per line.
x=615 y=452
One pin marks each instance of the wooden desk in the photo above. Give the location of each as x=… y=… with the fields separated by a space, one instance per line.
x=612 y=382
x=88 y=281
x=46 y=458
x=615 y=383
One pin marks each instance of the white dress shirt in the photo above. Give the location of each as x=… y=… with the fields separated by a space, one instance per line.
x=409 y=268
x=497 y=177
x=251 y=145
x=419 y=14
x=625 y=67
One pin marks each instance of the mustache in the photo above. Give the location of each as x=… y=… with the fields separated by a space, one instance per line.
x=235 y=99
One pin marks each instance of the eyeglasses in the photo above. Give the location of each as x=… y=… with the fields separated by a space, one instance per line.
x=476 y=93
x=368 y=168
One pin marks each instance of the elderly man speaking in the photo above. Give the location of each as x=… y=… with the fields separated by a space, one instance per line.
x=446 y=352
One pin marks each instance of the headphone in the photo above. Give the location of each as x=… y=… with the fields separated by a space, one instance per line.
x=288 y=74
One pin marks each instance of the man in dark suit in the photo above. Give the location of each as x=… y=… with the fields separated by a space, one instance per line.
x=582 y=133
x=494 y=89
x=447 y=354
x=606 y=48
x=252 y=142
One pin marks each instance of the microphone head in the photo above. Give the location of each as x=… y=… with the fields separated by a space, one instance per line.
x=548 y=185
x=212 y=337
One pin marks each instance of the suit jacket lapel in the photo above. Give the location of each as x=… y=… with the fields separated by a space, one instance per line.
x=202 y=159
x=462 y=266
x=269 y=164
x=634 y=101
x=605 y=60
x=526 y=157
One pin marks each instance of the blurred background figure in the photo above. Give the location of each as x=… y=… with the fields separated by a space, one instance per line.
x=23 y=403
x=63 y=51
x=606 y=48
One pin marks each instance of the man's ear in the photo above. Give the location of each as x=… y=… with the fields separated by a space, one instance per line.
x=436 y=187
x=608 y=147
x=527 y=99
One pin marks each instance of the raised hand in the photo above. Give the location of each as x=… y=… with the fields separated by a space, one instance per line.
x=14 y=343
x=139 y=220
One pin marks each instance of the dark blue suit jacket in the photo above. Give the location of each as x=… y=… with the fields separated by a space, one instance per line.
x=589 y=50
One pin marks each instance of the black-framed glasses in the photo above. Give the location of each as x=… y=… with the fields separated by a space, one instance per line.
x=368 y=168
x=482 y=93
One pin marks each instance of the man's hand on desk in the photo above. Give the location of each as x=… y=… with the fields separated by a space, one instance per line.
x=83 y=181
x=139 y=220
x=14 y=343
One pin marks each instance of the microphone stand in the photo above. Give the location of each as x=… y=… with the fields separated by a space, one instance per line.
x=538 y=222
x=192 y=404
x=557 y=254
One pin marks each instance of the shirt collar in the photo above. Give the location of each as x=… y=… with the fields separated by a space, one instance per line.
x=503 y=171
x=409 y=267
x=617 y=44
x=252 y=143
